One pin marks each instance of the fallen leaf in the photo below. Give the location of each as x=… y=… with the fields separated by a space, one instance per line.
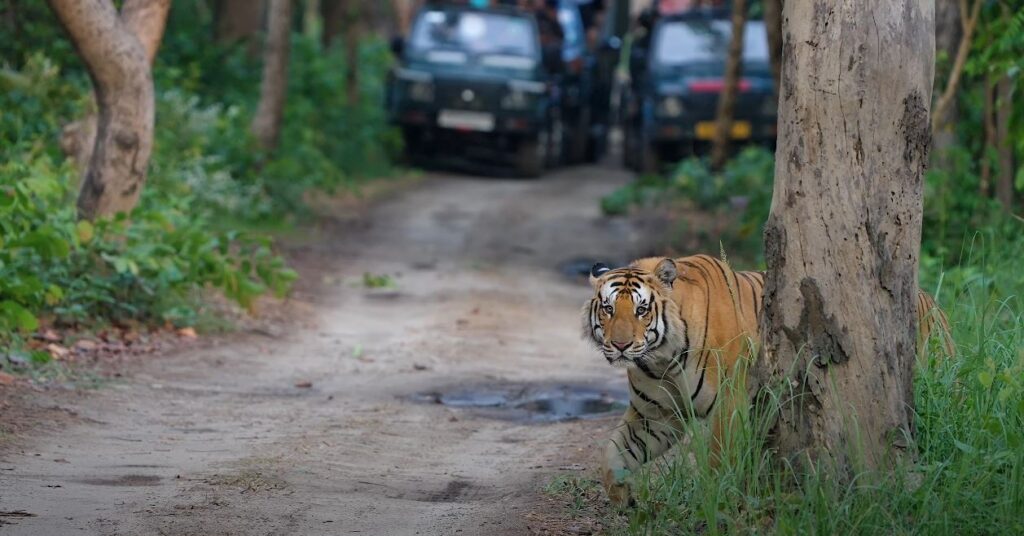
x=188 y=333
x=57 y=351
x=7 y=379
x=305 y=384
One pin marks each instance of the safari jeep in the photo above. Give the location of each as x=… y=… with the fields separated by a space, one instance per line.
x=472 y=82
x=672 y=103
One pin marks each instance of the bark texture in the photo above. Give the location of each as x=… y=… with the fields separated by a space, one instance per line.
x=727 y=101
x=119 y=68
x=773 y=27
x=266 y=125
x=843 y=237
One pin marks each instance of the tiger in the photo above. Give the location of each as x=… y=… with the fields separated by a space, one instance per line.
x=679 y=327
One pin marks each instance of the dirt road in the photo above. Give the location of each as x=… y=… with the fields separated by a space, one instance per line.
x=229 y=440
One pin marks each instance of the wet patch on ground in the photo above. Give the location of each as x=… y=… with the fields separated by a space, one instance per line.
x=530 y=402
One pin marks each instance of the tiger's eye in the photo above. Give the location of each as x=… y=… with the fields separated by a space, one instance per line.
x=608 y=310
x=641 y=311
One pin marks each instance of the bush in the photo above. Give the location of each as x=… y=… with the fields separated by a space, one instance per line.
x=146 y=267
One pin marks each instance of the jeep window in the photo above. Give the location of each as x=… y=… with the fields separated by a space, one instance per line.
x=706 y=41
x=460 y=37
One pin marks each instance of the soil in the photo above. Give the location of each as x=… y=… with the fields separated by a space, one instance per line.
x=423 y=406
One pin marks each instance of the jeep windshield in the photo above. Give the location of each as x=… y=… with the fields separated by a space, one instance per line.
x=695 y=43
x=460 y=37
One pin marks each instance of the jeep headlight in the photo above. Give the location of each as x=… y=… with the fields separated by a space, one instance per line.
x=421 y=91
x=521 y=94
x=670 y=107
x=419 y=86
x=516 y=100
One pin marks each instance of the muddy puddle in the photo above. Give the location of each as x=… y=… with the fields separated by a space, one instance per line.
x=530 y=403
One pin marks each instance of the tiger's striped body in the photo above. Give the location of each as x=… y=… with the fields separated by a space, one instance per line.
x=680 y=327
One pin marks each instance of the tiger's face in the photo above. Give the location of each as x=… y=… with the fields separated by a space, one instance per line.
x=631 y=314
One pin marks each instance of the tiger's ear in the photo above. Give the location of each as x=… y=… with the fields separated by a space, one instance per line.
x=597 y=271
x=666 y=272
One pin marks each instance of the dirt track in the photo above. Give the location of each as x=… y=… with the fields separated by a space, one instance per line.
x=221 y=441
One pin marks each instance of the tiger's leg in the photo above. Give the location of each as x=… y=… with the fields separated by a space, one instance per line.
x=638 y=439
x=728 y=416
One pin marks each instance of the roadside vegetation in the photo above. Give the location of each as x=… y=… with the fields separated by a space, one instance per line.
x=212 y=195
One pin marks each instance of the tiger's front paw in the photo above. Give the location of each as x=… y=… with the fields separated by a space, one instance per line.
x=619 y=492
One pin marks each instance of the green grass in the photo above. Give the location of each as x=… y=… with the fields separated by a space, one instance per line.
x=968 y=473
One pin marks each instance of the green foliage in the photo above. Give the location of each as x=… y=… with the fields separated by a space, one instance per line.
x=968 y=475
x=144 y=268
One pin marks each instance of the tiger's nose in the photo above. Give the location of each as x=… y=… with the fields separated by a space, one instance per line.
x=621 y=345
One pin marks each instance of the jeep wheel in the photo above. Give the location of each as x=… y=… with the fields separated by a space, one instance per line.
x=530 y=156
x=580 y=138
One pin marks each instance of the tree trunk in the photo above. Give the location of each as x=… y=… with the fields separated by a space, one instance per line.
x=120 y=72
x=1004 y=112
x=948 y=33
x=988 y=124
x=333 y=12
x=773 y=26
x=843 y=236
x=403 y=15
x=727 y=101
x=239 y=20
x=266 y=125
x=147 y=20
x=968 y=23
x=352 y=37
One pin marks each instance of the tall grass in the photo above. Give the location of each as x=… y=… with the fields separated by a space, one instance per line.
x=967 y=476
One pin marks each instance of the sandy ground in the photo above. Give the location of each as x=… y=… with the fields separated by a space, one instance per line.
x=228 y=440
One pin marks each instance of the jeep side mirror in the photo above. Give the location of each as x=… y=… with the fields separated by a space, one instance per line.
x=397 y=46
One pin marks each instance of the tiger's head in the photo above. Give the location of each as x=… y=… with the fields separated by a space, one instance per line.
x=631 y=317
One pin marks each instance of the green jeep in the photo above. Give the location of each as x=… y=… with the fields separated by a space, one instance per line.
x=473 y=81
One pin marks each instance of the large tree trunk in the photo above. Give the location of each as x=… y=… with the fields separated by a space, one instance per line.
x=239 y=20
x=403 y=14
x=773 y=27
x=727 y=101
x=1004 y=145
x=119 y=67
x=266 y=125
x=843 y=237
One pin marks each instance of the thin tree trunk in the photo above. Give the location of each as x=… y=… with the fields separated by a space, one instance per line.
x=1004 y=113
x=239 y=20
x=266 y=125
x=352 y=38
x=968 y=24
x=989 y=127
x=844 y=233
x=773 y=26
x=120 y=72
x=403 y=15
x=333 y=12
x=727 y=101
x=948 y=34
